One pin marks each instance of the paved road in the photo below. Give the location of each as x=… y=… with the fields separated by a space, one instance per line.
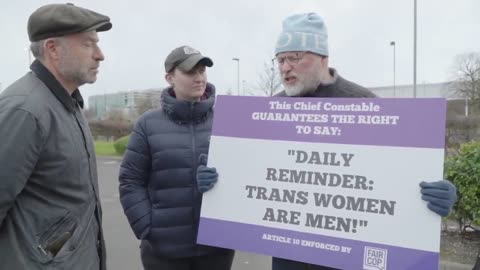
x=122 y=246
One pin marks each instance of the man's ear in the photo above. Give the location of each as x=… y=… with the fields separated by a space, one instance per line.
x=51 y=47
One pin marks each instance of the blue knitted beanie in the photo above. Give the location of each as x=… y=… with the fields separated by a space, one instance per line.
x=303 y=32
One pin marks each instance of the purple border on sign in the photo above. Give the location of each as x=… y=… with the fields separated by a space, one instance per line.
x=421 y=121
x=249 y=238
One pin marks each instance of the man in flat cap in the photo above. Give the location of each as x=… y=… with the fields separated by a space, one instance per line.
x=50 y=214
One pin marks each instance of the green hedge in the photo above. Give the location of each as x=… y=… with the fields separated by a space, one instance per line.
x=120 y=145
x=464 y=172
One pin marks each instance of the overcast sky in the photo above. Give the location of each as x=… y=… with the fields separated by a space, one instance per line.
x=360 y=31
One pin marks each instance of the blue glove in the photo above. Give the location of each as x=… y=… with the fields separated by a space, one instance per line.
x=206 y=176
x=440 y=195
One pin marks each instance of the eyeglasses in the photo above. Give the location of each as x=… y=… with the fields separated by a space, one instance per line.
x=291 y=59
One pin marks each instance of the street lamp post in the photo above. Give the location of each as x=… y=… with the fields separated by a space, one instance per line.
x=104 y=103
x=466 y=104
x=238 y=74
x=414 y=48
x=392 y=43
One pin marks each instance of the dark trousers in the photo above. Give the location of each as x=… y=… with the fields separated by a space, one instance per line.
x=477 y=264
x=283 y=264
x=218 y=261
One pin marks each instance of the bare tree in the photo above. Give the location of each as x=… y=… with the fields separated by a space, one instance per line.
x=110 y=129
x=89 y=113
x=229 y=92
x=466 y=71
x=461 y=129
x=143 y=104
x=269 y=81
x=116 y=115
x=114 y=126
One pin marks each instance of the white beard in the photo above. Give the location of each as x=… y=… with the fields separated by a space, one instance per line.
x=301 y=88
x=307 y=83
x=295 y=90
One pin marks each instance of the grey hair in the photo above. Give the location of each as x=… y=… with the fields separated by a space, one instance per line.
x=36 y=47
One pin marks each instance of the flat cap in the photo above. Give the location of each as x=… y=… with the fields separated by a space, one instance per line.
x=57 y=20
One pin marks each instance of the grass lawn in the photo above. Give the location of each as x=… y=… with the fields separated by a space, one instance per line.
x=103 y=148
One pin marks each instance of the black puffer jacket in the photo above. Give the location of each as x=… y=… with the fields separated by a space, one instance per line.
x=157 y=178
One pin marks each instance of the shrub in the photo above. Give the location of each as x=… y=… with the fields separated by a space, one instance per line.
x=463 y=170
x=120 y=145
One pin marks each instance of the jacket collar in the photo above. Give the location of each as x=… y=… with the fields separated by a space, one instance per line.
x=183 y=111
x=57 y=89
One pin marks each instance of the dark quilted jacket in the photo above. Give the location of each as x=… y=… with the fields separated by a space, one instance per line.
x=157 y=177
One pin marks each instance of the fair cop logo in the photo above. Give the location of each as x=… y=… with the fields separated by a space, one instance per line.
x=375 y=258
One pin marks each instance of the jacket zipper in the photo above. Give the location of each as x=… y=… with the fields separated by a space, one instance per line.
x=195 y=165
x=48 y=235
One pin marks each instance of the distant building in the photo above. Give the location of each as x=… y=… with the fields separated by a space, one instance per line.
x=128 y=103
x=456 y=103
x=424 y=90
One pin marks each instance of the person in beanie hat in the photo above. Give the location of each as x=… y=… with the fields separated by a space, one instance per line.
x=164 y=174
x=301 y=53
x=302 y=57
x=50 y=212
